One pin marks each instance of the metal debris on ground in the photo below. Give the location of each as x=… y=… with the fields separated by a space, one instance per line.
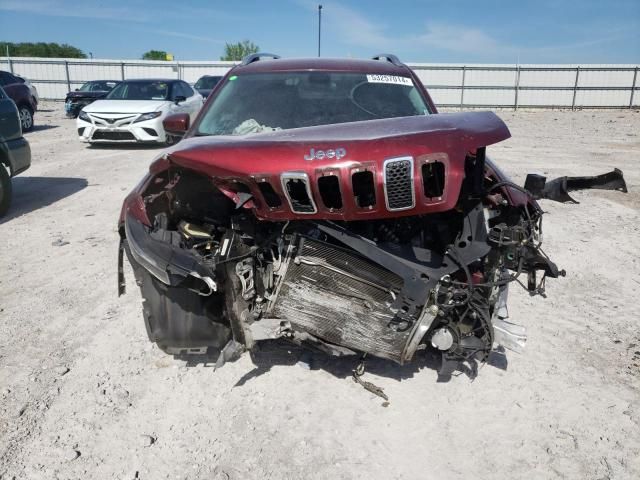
x=358 y=372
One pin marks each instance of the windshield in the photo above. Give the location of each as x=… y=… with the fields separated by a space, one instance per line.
x=207 y=83
x=97 y=86
x=263 y=102
x=145 y=90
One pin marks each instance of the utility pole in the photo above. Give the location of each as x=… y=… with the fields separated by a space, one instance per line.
x=319 y=26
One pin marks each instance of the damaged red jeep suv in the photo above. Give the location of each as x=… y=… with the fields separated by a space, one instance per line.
x=327 y=203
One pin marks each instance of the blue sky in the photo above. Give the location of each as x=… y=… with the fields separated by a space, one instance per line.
x=542 y=31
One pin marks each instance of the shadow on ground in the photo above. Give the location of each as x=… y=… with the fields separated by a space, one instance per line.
x=269 y=354
x=33 y=193
x=38 y=128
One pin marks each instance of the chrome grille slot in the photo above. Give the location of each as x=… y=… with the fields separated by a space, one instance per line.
x=296 y=187
x=398 y=183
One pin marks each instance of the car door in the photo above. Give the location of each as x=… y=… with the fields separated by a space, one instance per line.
x=10 y=128
x=176 y=91
x=10 y=84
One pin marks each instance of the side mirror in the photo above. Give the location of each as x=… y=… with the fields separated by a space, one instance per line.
x=180 y=98
x=176 y=124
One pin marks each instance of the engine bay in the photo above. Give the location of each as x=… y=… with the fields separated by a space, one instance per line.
x=386 y=287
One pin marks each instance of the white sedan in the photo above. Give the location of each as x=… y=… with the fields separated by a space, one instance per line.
x=133 y=111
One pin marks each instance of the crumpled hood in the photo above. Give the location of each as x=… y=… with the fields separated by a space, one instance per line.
x=344 y=150
x=78 y=95
x=125 y=106
x=470 y=130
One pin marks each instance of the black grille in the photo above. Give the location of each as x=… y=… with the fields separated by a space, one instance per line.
x=399 y=184
x=269 y=194
x=364 y=190
x=105 y=135
x=329 y=188
x=433 y=179
x=150 y=131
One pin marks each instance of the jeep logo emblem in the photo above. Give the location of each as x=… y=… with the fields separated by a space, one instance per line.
x=337 y=153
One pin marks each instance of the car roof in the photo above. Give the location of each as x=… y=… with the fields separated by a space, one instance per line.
x=323 y=64
x=168 y=80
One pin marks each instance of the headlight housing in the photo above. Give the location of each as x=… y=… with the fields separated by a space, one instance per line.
x=147 y=116
x=83 y=116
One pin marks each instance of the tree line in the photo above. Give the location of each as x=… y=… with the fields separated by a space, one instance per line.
x=232 y=51
x=40 y=49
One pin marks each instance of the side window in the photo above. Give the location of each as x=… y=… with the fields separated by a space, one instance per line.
x=175 y=90
x=188 y=91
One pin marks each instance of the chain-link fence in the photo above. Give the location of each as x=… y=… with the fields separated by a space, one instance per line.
x=450 y=85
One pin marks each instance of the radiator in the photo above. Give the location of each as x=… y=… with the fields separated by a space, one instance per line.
x=342 y=298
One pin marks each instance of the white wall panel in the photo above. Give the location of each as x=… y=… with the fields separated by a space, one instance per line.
x=540 y=85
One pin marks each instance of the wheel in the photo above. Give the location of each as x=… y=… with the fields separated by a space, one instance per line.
x=5 y=191
x=26 y=118
x=171 y=140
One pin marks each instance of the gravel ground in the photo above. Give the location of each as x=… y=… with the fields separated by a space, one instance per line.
x=83 y=394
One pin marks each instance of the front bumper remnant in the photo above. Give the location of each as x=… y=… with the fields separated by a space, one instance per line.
x=558 y=189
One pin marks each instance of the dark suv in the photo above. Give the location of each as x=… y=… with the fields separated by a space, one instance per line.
x=86 y=94
x=206 y=84
x=20 y=93
x=15 y=154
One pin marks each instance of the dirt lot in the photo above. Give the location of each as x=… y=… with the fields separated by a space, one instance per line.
x=84 y=395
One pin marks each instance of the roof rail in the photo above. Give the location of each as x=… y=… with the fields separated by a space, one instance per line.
x=389 y=58
x=254 y=57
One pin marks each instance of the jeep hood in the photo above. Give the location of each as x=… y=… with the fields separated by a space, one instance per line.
x=249 y=160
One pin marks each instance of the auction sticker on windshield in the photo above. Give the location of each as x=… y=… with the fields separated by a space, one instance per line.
x=389 y=79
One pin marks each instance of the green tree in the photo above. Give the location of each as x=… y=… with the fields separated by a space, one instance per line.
x=239 y=50
x=41 y=49
x=155 y=55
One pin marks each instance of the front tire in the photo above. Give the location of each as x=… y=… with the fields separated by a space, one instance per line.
x=26 y=118
x=5 y=191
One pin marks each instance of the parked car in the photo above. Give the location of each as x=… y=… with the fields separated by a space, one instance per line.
x=86 y=94
x=206 y=83
x=15 y=154
x=21 y=94
x=327 y=203
x=32 y=88
x=134 y=110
